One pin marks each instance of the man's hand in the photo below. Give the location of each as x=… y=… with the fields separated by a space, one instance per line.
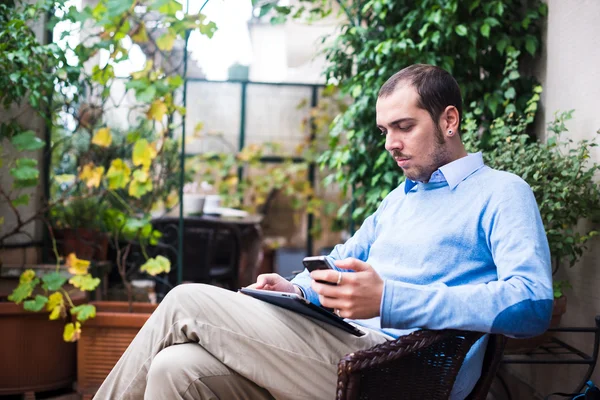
x=357 y=296
x=273 y=282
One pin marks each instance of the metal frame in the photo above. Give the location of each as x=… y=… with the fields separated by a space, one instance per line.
x=549 y=353
x=242 y=140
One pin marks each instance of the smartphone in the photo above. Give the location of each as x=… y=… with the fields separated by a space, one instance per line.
x=318 y=262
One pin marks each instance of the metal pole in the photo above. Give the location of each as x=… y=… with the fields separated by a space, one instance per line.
x=242 y=125
x=352 y=208
x=182 y=163
x=311 y=173
x=47 y=155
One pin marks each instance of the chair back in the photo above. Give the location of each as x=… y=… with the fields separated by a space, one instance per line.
x=491 y=362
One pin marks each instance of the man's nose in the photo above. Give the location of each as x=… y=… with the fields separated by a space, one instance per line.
x=393 y=142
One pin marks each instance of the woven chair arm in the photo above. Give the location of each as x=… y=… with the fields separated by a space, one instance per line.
x=378 y=356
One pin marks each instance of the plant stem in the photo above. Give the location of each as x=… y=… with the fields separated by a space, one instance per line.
x=53 y=239
x=123 y=202
x=66 y=294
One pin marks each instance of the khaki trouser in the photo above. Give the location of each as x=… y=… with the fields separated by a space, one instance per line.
x=203 y=342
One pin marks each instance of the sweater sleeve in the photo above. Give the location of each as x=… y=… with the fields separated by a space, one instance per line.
x=517 y=304
x=358 y=246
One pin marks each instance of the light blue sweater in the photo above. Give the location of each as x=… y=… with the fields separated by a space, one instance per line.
x=467 y=250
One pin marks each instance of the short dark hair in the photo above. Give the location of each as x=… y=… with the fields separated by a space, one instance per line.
x=437 y=89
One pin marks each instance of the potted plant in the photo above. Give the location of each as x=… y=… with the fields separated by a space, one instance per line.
x=29 y=72
x=79 y=227
x=125 y=170
x=124 y=155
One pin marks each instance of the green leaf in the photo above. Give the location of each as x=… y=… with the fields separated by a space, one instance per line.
x=84 y=312
x=208 y=29
x=84 y=282
x=264 y=10
x=137 y=84
x=175 y=81
x=461 y=30
x=36 y=304
x=485 y=30
x=22 y=200
x=146 y=95
x=25 y=170
x=510 y=93
x=531 y=45
x=116 y=8
x=27 y=141
x=53 y=281
x=170 y=7
x=501 y=45
x=103 y=75
x=23 y=291
x=473 y=5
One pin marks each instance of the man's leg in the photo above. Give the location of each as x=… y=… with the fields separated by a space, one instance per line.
x=290 y=355
x=188 y=372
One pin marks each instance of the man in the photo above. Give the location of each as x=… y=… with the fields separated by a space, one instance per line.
x=458 y=245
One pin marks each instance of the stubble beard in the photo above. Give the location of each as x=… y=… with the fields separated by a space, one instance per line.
x=439 y=156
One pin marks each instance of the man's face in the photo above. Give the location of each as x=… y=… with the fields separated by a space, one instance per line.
x=412 y=138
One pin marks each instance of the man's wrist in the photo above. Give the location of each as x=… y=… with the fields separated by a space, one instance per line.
x=298 y=290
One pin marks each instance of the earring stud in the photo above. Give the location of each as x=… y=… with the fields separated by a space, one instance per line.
x=450 y=133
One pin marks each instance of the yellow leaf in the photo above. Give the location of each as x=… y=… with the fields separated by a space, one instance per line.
x=140 y=175
x=250 y=152
x=84 y=282
x=231 y=181
x=299 y=149
x=143 y=153
x=77 y=266
x=157 y=110
x=144 y=72
x=172 y=200
x=155 y=266
x=56 y=304
x=91 y=175
x=68 y=179
x=27 y=276
x=166 y=41
x=139 y=188
x=199 y=126
x=102 y=138
x=72 y=332
x=118 y=174
x=140 y=35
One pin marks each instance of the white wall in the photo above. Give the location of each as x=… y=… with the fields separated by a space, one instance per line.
x=30 y=120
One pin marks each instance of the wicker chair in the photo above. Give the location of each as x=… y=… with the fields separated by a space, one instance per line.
x=422 y=365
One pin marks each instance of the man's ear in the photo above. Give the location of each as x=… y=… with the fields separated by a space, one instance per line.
x=449 y=120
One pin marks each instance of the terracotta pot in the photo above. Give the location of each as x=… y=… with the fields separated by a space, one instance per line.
x=524 y=346
x=104 y=339
x=34 y=357
x=87 y=244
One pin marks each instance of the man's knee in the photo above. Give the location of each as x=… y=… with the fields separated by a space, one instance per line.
x=185 y=361
x=185 y=290
x=164 y=365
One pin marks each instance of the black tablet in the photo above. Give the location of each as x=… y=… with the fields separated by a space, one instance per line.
x=293 y=302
